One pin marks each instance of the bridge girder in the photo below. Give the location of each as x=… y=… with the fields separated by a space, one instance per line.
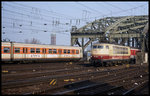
x=112 y=28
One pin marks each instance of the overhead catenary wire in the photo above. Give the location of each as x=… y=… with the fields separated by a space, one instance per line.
x=60 y=14
x=41 y=20
x=55 y=12
x=114 y=6
x=60 y=31
x=116 y=12
x=125 y=10
x=29 y=27
x=16 y=24
x=42 y=30
x=32 y=11
x=31 y=16
x=46 y=20
x=55 y=21
x=96 y=11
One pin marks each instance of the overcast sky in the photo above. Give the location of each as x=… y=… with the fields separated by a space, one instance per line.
x=26 y=20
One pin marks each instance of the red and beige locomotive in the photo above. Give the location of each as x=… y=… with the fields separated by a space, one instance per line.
x=11 y=51
x=106 y=54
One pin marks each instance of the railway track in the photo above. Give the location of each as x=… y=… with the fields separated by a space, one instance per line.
x=17 y=68
x=137 y=89
x=44 y=81
x=44 y=78
x=90 y=87
x=44 y=73
x=23 y=73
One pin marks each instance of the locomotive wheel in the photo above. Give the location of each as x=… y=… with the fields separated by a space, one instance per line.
x=113 y=63
x=96 y=65
x=110 y=64
x=102 y=64
x=105 y=64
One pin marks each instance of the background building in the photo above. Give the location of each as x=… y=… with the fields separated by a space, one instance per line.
x=53 y=39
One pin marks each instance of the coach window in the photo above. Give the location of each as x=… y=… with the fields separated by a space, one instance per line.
x=100 y=47
x=17 y=50
x=59 y=51
x=77 y=51
x=50 y=51
x=65 y=51
x=68 y=51
x=107 y=47
x=37 y=50
x=6 y=50
x=32 y=50
x=54 y=51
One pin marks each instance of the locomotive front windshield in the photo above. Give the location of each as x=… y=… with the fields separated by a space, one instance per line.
x=94 y=47
x=98 y=47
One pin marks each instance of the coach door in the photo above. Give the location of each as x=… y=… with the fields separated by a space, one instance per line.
x=12 y=51
x=25 y=50
x=44 y=52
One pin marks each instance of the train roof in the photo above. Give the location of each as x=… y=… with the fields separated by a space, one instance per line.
x=41 y=44
x=135 y=48
x=110 y=44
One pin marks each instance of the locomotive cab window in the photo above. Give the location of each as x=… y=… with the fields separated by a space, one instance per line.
x=6 y=50
x=100 y=47
x=107 y=47
x=94 y=47
x=17 y=50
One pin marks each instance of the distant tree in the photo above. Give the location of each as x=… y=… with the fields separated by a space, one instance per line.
x=32 y=41
x=6 y=40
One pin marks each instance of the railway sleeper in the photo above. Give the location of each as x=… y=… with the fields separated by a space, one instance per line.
x=80 y=89
x=103 y=88
x=19 y=83
x=80 y=86
x=136 y=88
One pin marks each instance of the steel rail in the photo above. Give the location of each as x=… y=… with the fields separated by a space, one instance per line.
x=136 y=88
x=39 y=79
x=84 y=87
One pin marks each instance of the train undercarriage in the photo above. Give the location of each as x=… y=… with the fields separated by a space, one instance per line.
x=100 y=62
